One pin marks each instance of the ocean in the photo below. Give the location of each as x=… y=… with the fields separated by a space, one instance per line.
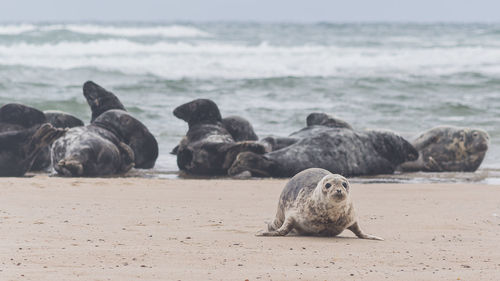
x=404 y=77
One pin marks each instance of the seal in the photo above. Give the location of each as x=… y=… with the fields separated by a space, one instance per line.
x=449 y=149
x=58 y=119
x=15 y=116
x=208 y=148
x=133 y=133
x=91 y=151
x=239 y=128
x=339 y=150
x=316 y=202
x=19 y=148
x=99 y=99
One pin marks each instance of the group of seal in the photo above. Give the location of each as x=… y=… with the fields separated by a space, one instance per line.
x=112 y=143
x=214 y=146
x=212 y=143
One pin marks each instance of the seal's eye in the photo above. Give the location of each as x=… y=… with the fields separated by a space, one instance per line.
x=328 y=185
x=476 y=134
x=344 y=184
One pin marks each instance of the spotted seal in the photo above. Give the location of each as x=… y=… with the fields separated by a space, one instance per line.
x=340 y=150
x=449 y=149
x=208 y=148
x=316 y=202
x=19 y=148
x=58 y=119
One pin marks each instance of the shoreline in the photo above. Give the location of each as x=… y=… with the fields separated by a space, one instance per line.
x=155 y=229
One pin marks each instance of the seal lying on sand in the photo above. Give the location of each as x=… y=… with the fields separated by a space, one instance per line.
x=15 y=116
x=316 y=202
x=112 y=144
x=449 y=149
x=339 y=150
x=130 y=130
x=208 y=148
x=91 y=151
x=58 y=119
x=19 y=148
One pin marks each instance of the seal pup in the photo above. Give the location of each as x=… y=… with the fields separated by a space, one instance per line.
x=99 y=99
x=19 y=148
x=339 y=150
x=449 y=149
x=316 y=202
x=208 y=148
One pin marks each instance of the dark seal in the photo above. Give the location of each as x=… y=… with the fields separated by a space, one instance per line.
x=99 y=99
x=316 y=202
x=19 y=148
x=340 y=150
x=208 y=148
x=449 y=149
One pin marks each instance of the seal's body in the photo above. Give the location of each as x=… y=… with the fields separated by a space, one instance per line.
x=334 y=147
x=316 y=202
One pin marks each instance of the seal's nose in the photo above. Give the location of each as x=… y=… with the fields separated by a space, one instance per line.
x=339 y=191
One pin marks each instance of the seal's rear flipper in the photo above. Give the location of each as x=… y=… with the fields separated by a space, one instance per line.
x=44 y=136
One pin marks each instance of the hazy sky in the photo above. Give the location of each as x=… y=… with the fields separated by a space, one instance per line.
x=247 y=10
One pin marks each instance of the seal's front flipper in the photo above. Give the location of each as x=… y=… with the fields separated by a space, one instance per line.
x=356 y=230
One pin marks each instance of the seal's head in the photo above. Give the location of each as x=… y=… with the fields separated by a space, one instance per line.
x=199 y=111
x=99 y=99
x=334 y=188
x=453 y=148
x=323 y=119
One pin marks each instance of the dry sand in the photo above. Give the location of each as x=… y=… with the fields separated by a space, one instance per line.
x=153 y=229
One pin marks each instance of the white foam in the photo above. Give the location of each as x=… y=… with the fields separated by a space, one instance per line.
x=228 y=60
x=16 y=29
x=175 y=31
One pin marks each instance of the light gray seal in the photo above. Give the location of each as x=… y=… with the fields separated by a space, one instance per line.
x=340 y=150
x=449 y=149
x=58 y=119
x=316 y=202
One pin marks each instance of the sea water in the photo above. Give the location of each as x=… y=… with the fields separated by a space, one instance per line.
x=404 y=77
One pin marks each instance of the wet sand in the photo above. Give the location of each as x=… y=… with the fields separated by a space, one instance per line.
x=155 y=229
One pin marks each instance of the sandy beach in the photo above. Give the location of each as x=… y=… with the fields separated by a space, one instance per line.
x=157 y=229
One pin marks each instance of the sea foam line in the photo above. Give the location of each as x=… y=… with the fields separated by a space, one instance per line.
x=173 y=31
